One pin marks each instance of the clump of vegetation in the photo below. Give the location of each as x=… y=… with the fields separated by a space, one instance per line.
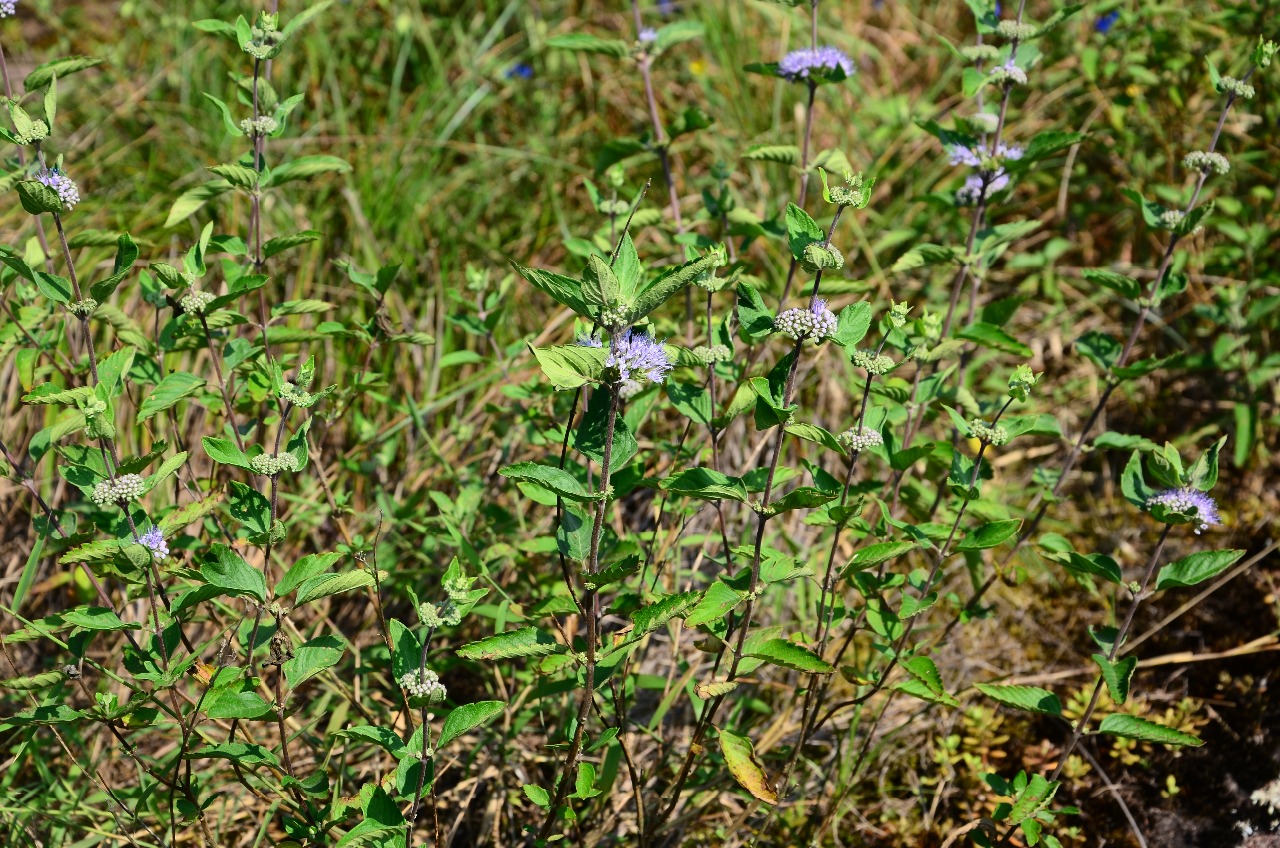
x=501 y=427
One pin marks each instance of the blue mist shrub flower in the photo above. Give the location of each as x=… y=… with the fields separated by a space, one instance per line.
x=8 y=8
x=523 y=70
x=799 y=64
x=978 y=158
x=154 y=539
x=62 y=184
x=1184 y=506
x=634 y=353
x=972 y=192
x=816 y=322
x=588 y=341
x=125 y=488
x=648 y=35
x=1008 y=74
x=1104 y=23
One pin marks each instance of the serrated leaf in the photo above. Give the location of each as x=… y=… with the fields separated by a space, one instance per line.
x=283 y=243
x=741 y=759
x=1132 y=727
x=43 y=74
x=312 y=657
x=307 y=166
x=651 y=617
x=785 y=154
x=233 y=575
x=790 y=655
x=581 y=42
x=193 y=200
x=919 y=689
x=714 y=689
x=304 y=569
x=549 y=477
x=468 y=717
x=706 y=484
x=570 y=366
x=989 y=535
x=525 y=642
x=170 y=390
x=332 y=584
x=1117 y=675
x=874 y=555
x=1196 y=568
x=238 y=752
x=1029 y=698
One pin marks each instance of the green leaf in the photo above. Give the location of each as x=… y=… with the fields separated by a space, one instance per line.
x=991 y=336
x=241 y=753
x=570 y=366
x=307 y=166
x=304 y=569
x=1030 y=698
x=240 y=176
x=563 y=290
x=525 y=642
x=38 y=198
x=590 y=435
x=312 y=657
x=669 y=282
x=1132 y=484
x=227 y=121
x=1119 y=283
x=1196 y=568
x=802 y=230
x=783 y=154
x=96 y=618
x=741 y=759
x=1117 y=675
x=581 y=42
x=790 y=655
x=925 y=254
x=1034 y=797
x=193 y=200
x=233 y=575
x=468 y=717
x=651 y=617
x=989 y=535
x=170 y=390
x=715 y=604
x=225 y=452
x=406 y=653
x=235 y=701
x=549 y=477
x=282 y=243
x=332 y=584
x=706 y=484
x=42 y=75
x=1132 y=727
x=755 y=318
x=918 y=689
x=873 y=555
x=852 y=324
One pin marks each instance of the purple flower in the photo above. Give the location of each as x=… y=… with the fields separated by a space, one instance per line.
x=961 y=155
x=1106 y=22
x=648 y=35
x=523 y=70
x=1190 y=503
x=62 y=184
x=666 y=7
x=154 y=540
x=8 y=7
x=631 y=353
x=587 y=341
x=798 y=64
x=971 y=193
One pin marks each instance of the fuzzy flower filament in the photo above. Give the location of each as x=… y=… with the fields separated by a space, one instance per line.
x=1191 y=505
x=67 y=191
x=8 y=8
x=817 y=322
x=154 y=540
x=632 y=354
x=799 y=64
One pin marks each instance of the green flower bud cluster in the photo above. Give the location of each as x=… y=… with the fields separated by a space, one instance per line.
x=1011 y=30
x=898 y=314
x=265 y=37
x=1264 y=52
x=821 y=257
x=1008 y=74
x=872 y=363
x=980 y=52
x=196 y=302
x=1205 y=162
x=615 y=316
x=83 y=308
x=271 y=464
x=122 y=490
x=1021 y=382
x=37 y=130
x=858 y=439
x=991 y=435
x=261 y=126
x=1171 y=218
x=711 y=354
x=1236 y=87
x=443 y=614
x=425 y=685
